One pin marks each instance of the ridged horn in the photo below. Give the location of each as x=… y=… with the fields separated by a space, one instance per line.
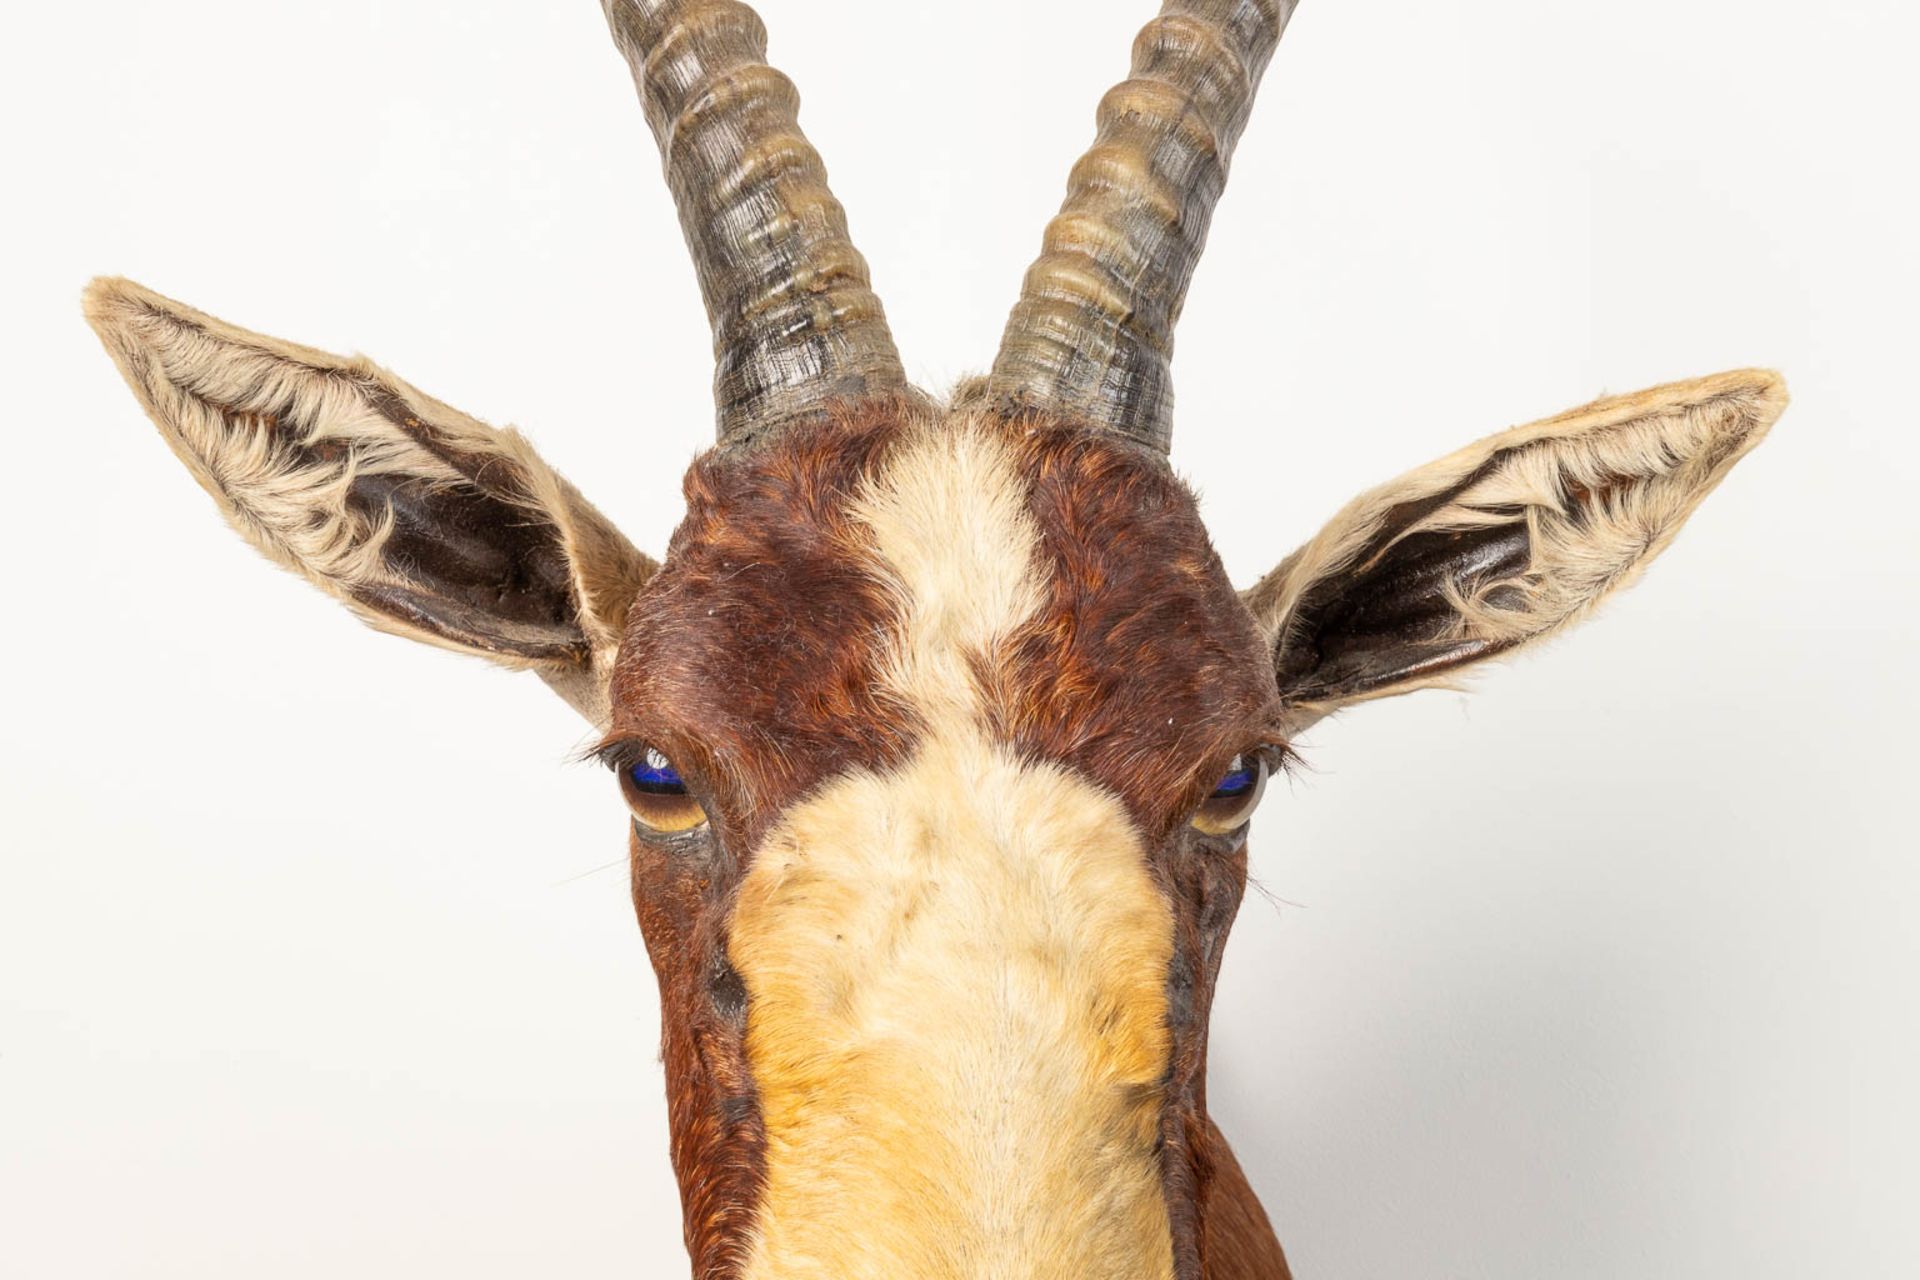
x=795 y=321
x=1092 y=334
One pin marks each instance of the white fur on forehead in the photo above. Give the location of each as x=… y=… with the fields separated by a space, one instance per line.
x=1602 y=490
x=954 y=541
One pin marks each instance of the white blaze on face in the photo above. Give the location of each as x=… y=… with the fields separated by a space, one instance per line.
x=956 y=970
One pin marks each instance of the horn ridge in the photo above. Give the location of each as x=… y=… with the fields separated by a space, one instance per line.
x=1092 y=333
x=795 y=321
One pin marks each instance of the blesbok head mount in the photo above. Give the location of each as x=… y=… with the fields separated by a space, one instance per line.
x=939 y=722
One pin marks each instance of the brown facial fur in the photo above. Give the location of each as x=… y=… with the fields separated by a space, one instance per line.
x=747 y=662
x=751 y=660
x=1142 y=674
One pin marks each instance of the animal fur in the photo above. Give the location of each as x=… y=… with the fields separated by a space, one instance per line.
x=948 y=683
x=290 y=441
x=820 y=628
x=1590 y=496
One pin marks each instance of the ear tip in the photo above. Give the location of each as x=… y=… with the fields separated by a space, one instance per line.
x=1768 y=382
x=101 y=298
x=103 y=290
x=1758 y=395
x=1767 y=393
x=109 y=302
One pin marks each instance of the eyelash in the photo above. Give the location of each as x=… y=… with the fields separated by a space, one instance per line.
x=622 y=755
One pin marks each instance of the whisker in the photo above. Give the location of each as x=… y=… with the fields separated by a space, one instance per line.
x=1271 y=898
x=557 y=884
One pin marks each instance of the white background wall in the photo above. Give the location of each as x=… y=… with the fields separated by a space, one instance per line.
x=316 y=956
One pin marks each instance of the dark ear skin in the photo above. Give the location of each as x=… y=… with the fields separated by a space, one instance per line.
x=1391 y=620
x=423 y=521
x=1501 y=544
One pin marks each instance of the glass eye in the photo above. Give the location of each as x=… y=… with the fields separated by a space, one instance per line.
x=1234 y=797
x=658 y=796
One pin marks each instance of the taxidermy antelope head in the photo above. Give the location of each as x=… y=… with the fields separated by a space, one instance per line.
x=939 y=722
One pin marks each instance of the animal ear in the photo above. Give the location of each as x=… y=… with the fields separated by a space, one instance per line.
x=1501 y=544
x=423 y=521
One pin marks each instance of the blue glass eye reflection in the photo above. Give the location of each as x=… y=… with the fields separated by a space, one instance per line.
x=1240 y=779
x=655 y=775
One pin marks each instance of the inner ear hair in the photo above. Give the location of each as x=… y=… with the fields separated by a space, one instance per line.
x=1502 y=543
x=423 y=521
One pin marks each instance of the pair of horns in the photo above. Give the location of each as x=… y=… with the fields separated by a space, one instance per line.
x=795 y=320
